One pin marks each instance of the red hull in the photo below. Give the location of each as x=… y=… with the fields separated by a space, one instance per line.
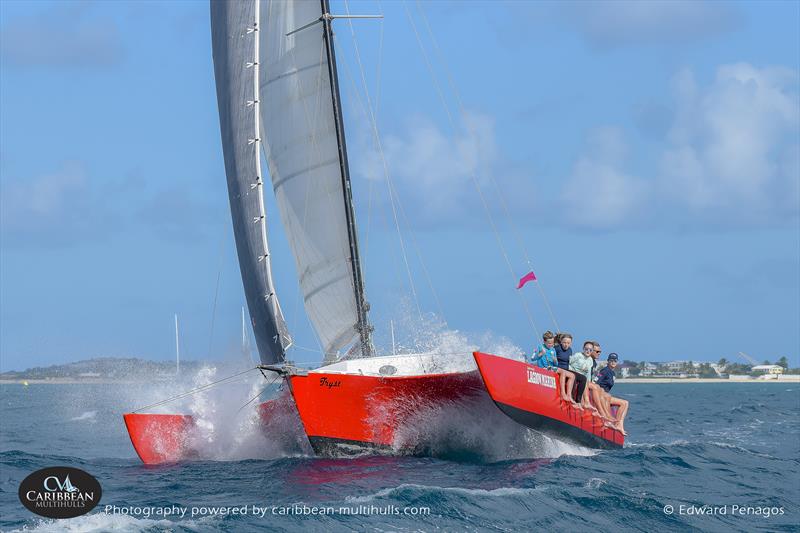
x=340 y=410
x=159 y=438
x=529 y=395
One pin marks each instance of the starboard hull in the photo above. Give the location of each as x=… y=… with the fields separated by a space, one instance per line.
x=529 y=396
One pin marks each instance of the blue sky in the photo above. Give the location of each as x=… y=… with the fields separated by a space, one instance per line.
x=648 y=153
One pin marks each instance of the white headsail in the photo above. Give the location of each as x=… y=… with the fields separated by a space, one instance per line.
x=235 y=47
x=304 y=143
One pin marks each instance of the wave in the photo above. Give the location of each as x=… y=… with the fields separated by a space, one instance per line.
x=86 y=415
x=100 y=522
x=474 y=430
x=402 y=492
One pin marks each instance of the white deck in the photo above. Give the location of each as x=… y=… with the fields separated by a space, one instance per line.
x=404 y=365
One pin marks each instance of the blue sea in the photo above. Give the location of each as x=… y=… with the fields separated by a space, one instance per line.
x=712 y=457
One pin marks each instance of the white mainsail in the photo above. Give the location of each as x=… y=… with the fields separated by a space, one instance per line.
x=305 y=147
x=235 y=52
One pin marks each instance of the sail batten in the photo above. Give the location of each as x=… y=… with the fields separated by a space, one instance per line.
x=305 y=147
x=236 y=54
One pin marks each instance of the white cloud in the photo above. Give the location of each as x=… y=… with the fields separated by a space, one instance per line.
x=732 y=156
x=432 y=171
x=614 y=23
x=598 y=193
x=734 y=143
x=53 y=209
x=68 y=206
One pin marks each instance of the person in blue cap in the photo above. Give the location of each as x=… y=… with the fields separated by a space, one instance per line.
x=605 y=380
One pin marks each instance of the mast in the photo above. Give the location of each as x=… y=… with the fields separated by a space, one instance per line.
x=362 y=306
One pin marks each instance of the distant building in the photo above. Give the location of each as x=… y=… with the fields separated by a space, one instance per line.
x=767 y=369
x=648 y=369
x=680 y=365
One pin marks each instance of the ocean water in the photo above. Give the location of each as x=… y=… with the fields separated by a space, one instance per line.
x=733 y=448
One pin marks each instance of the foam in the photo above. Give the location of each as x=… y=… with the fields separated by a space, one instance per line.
x=86 y=415
x=498 y=492
x=101 y=522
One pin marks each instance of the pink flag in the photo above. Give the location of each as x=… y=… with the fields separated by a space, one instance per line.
x=530 y=276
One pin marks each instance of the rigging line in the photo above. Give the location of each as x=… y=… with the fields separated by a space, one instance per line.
x=370 y=190
x=405 y=218
x=251 y=400
x=501 y=196
x=472 y=172
x=380 y=63
x=195 y=390
x=216 y=295
x=379 y=145
x=422 y=263
x=371 y=185
x=401 y=206
x=399 y=202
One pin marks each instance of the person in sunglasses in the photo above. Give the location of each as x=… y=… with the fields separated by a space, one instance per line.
x=597 y=396
x=580 y=364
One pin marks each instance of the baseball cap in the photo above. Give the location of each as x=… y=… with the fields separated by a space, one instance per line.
x=613 y=356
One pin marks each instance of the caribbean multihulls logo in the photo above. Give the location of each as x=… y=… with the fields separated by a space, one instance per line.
x=60 y=492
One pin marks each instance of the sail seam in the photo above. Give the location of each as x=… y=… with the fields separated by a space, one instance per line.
x=281 y=181
x=292 y=73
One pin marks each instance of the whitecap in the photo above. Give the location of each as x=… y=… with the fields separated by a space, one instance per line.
x=498 y=492
x=101 y=522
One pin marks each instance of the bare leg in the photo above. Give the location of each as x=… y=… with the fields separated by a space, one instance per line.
x=567 y=378
x=605 y=398
x=585 y=403
x=596 y=395
x=622 y=410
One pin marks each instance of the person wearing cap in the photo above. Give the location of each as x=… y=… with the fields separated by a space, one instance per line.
x=605 y=380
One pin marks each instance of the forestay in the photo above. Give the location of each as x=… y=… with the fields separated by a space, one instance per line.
x=308 y=167
x=235 y=52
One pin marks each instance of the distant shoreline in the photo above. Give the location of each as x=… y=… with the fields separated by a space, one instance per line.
x=75 y=381
x=787 y=378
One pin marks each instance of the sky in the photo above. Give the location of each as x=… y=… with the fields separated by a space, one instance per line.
x=642 y=158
